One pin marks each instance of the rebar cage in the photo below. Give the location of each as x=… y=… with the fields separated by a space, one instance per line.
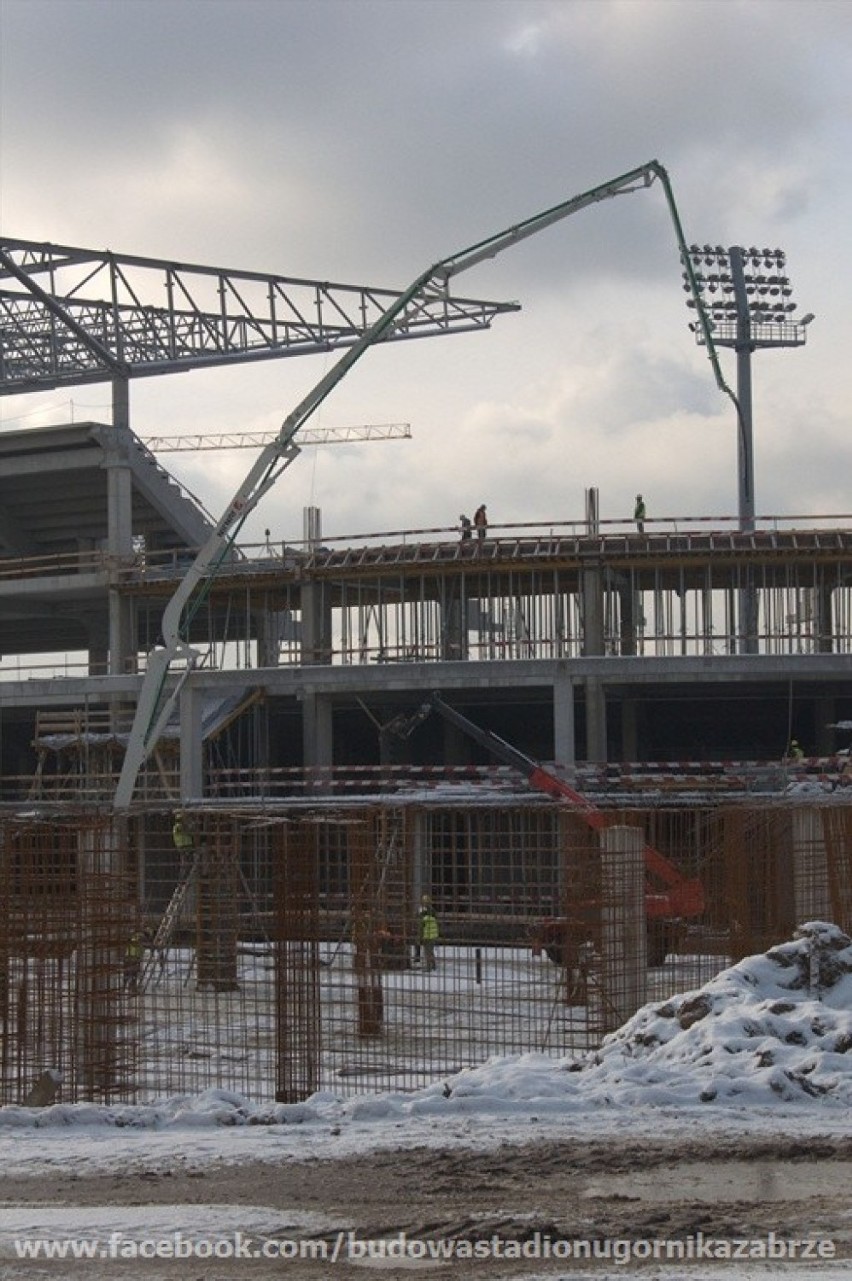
x=281 y=953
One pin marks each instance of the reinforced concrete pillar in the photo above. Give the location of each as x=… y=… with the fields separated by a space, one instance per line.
x=596 y=745
x=823 y=622
x=624 y=960
x=119 y=504
x=316 y=624
x=119 y=548
x=564 y=741
x=123 y=633
x=630 y=729
x=628 y=599
x=99 y=644
x=454 y=628
x=191 y=745
x=592 y=603
x=317 y=737
x=268 y=625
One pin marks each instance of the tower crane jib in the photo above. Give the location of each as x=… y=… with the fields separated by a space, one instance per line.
x=257 y=439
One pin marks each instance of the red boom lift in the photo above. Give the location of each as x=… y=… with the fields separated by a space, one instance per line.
x=670 y=897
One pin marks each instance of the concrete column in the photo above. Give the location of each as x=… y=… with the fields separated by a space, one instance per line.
x=122 y=610
x=123 y=633
x=593 y=509
x=630 y=729
x=191 y=746
x=317 y=738
x=627 y=599
x=591 y=599
x=823 y=622
x=312 y=527
x=454 y=629
x=267 y=623
x=591 y=590
x=564 y=741
x=624 y=961
x=99 y=645
x=119 y=506
x=316 y=624
x=596 y=745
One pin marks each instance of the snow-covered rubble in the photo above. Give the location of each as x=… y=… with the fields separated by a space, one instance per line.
x=774 y=1025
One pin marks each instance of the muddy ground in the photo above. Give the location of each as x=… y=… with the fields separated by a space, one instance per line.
x=737 y=1189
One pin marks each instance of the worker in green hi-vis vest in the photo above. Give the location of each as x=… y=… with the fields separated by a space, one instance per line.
x=184 y=843
x=428 y=932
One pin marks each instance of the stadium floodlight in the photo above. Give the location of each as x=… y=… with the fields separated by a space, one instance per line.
x=747 y=300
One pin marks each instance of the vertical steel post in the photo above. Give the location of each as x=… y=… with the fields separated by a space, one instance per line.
x=744 y=347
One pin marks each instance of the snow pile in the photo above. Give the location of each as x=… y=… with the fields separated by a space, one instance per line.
x=777 y=1025
x=775 y=1028
x=211 y=1109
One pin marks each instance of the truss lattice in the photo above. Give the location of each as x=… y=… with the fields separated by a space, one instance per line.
x=71 y=315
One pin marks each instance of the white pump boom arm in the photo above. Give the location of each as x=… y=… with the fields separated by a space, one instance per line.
x=155 y=702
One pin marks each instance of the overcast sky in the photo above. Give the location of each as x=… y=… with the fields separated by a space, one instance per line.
x=362 y=140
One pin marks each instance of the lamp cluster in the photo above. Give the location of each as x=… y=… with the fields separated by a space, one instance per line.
x=767 y=290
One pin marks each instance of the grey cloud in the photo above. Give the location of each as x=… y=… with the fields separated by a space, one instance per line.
x=417 y=127
x=362 y=139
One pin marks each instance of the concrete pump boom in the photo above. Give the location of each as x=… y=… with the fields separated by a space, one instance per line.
x=156 y=702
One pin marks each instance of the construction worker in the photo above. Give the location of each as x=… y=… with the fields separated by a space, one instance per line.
x=428 y=931
x=584 y=973
x=465 y=528
x=639 y=513
x=133 y=962
x=480 y=520
x=795 y=752
x=184 y=842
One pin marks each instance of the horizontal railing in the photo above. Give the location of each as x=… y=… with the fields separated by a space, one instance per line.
x=61 y=780
x=174 y=562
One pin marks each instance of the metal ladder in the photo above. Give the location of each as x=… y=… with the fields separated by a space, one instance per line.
x=169 y=922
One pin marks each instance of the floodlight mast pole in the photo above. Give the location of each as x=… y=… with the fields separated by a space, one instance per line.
x=156 y=702
x=744 y=347
x=754 y=311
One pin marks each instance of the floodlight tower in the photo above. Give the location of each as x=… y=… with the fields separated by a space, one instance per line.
x=748 y=303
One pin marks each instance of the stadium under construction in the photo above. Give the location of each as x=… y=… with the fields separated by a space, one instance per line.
x=596 y=648
x=577 y=743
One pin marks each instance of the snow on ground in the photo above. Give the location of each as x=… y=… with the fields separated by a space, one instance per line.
x=763 y=1048
x=766 y=1044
